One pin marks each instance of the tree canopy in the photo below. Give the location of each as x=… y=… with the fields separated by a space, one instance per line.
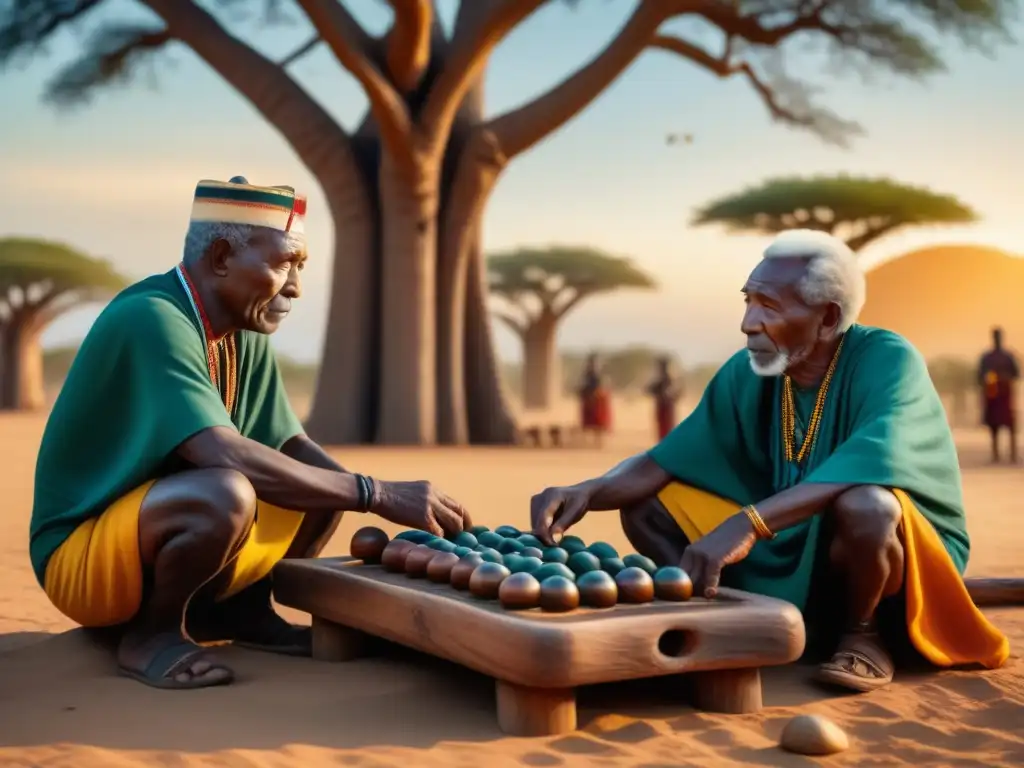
x=37 y=273
x=550 y=282
x=859 y=210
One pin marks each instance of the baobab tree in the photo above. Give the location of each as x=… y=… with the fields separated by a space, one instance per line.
x=537 y=287
x=859 y=210
x=408 y=354
x=39 y=281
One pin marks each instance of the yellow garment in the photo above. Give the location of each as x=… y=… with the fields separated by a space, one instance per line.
x=942 y=621
x=95 y=577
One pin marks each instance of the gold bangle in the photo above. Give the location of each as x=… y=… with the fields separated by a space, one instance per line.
x=761 y=528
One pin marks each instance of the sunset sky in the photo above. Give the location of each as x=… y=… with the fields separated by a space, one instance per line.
x=116 y=177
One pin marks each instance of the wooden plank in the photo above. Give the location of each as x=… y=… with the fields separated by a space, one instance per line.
x=534 y=649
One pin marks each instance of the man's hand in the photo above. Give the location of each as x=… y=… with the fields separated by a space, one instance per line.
x=727 y=544
x=420 y=505
x=555 y=510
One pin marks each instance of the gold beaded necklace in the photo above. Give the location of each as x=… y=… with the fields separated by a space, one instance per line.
x=229 y=376
x=789 y=412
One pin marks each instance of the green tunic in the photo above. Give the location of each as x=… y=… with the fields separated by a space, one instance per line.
x=883 y=424
x=138 y=388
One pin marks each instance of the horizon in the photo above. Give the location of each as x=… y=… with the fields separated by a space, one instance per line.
x=115 y=179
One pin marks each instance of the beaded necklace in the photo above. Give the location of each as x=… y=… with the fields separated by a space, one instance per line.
x=789 y=412
x=221 y=369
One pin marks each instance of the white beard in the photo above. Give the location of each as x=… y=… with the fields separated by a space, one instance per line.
x=775 y=367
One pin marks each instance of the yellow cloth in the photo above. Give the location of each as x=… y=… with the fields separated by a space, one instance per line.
x=943 y=622
x=95 y=577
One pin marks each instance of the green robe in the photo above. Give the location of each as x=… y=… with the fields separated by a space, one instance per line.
x=883 y=424
x=138 y=388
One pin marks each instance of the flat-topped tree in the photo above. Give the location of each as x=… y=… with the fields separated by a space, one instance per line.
x=537 y=287
x=408 y=355
x=859 y=210
x=39 y=281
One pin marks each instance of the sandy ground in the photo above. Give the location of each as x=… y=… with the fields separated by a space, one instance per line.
x=62 y=705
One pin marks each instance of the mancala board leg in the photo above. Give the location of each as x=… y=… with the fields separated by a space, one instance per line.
x=728 y=691
x=335 y=642
x=535 y=711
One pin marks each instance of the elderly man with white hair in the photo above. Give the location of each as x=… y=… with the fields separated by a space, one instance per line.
x=173 y=473
x=818 y=468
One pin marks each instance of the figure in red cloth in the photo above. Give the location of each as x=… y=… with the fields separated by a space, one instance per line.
x=998 y=373
x=595 y=399
x=666 y=390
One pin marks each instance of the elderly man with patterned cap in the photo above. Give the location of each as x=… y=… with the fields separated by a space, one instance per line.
x=173 y=474
x=818 y=468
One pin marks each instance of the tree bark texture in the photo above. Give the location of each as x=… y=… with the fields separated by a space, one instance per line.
x=21 y=367
x=540 y=363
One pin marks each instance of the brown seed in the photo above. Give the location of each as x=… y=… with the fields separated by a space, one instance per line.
x=671 y=583
x=519 y=592
x=462 y=570
x=394 y=554
x=418 y=559
x=368 y=544
x=486 y=580
x=597 y=589
x=813 y=735
x=440 y=567
x=558 y=594
x=635 y=585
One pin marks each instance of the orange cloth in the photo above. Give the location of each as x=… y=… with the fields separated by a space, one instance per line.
x=943 y=623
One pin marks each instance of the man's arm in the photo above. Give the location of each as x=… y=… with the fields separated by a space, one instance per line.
x=275 y=476
x=302 y=449
x=627 y=483
x=797 y=504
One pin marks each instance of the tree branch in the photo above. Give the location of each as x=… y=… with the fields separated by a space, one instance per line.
x=408 y=45
x=469 y=55
x=352 y=47
x=799 y=113
x=579 y=296
x=520 y=129
x=513 y=322
x=314 y=135
x=869 y=235
x=301 y=51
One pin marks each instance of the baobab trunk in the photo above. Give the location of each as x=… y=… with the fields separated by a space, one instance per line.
x=21 y=367
x=408 y=356
x=540 y=363
x=344 y=406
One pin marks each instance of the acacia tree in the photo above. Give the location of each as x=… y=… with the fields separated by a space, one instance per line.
x=859 y=210
x=39 y=281
x=408 y=355
x=537 y=288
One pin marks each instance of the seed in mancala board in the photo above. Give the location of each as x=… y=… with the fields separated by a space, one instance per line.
x=486 y=580
x=394 y=554
x=572 y=544
x=418 y=559
x=439 y=569
x=597 y=589
x=559 y=594
x=416 y=536
x=462 y=570
x=519 y=592
x=813 y=735
x=635 y=585
x=672 y=583
x=508 y=531
x=368 y=544
x=532 y=552
x=640 y=561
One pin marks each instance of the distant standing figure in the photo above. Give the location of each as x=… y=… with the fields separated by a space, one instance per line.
x=666 y=390
x=595 y=399
x=998 y=373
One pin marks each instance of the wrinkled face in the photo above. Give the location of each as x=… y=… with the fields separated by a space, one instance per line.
x=782 y=330
x=260 y=279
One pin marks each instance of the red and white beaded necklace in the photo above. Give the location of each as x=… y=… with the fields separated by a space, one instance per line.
x=213 y=345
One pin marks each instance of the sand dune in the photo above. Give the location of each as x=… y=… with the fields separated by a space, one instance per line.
x=946 y=299
x=61 y=706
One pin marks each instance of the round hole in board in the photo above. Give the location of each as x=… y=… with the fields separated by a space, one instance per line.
x=674 y=643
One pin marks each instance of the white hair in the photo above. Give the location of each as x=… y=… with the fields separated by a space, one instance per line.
x=833 y=274
x=202 y=233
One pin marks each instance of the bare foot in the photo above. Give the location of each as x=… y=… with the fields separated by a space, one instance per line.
x=168 y=660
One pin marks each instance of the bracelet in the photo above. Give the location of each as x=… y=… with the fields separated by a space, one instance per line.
x=372 y=493
x=761 y=528
x=364 y=493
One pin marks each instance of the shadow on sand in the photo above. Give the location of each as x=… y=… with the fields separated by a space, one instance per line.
x=63 y=690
